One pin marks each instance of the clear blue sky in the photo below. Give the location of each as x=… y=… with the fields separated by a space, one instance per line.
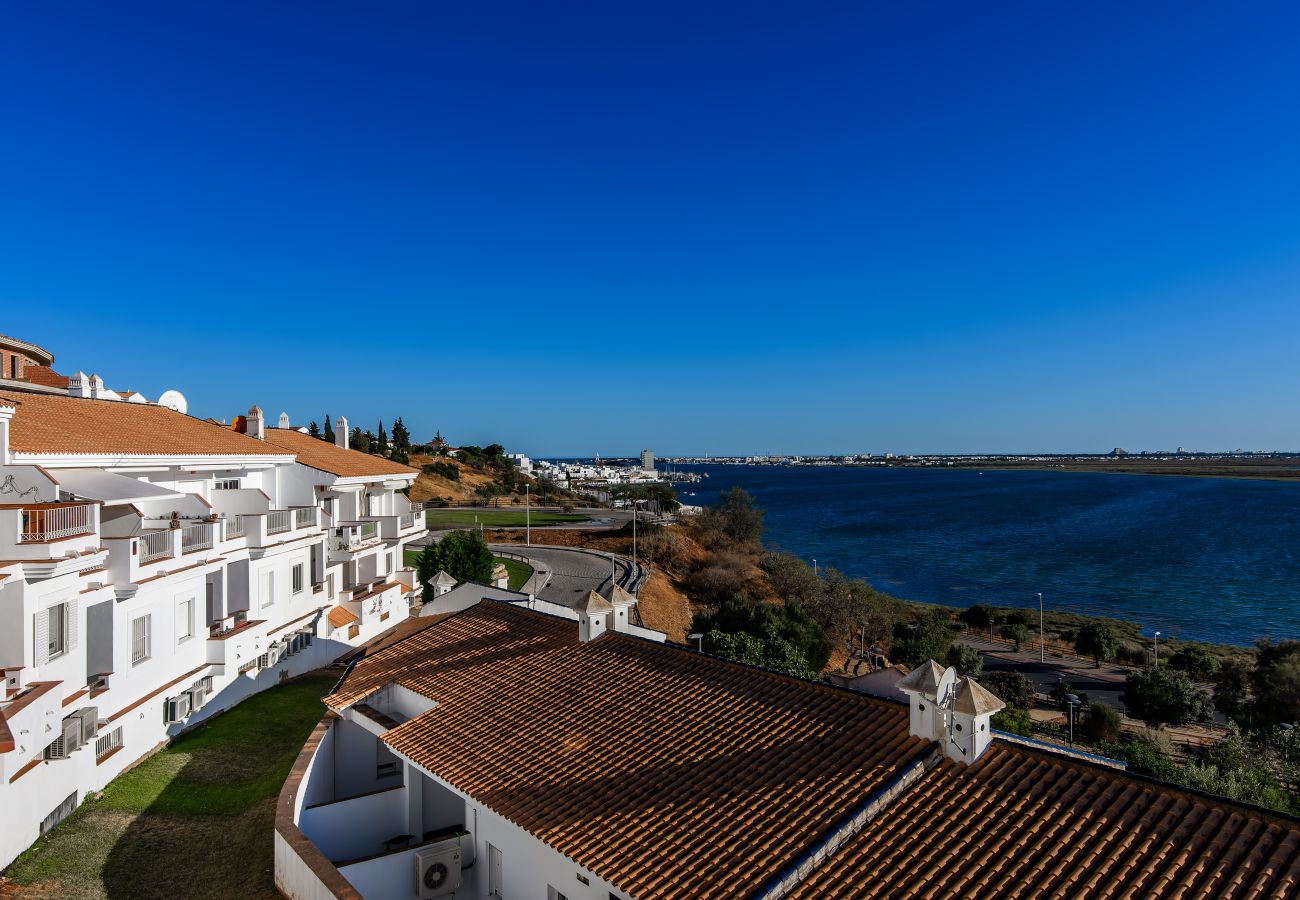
x=702 y=228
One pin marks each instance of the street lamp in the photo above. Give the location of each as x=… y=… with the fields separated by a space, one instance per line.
x=528 y=520
x=1042 y=643
x=1072 y=701
x=814 y=566
x=1156 y=651
x=699 y=640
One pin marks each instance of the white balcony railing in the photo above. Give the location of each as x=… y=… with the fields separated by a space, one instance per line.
x=234 y=527
x=277 y=520
x=154 y=545
x=304 y=516
x=196 y=537
x=367 y=530
x=50 y=523
x=408 y=520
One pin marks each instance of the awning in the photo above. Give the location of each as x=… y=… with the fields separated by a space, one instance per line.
x=96 y=484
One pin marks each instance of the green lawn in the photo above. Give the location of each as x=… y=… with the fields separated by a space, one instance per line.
x=497 y=518
x=193 y=820
x=520 y=572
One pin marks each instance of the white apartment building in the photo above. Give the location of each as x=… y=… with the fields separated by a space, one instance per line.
x=156 y=569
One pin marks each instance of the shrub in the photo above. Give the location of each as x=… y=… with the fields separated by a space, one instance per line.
x=1198 y=662
x=735 y=518
x=929 y=637
x=461 y=554
x=1276 y=682
x=965 y=659
x=1102 y=723
x=1014 y=720
x=1012 y=688
x=1166 y=696
x=1017 y=633
x=442 y=469
x=978 y=617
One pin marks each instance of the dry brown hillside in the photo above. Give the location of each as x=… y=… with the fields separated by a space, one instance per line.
x=435 y=487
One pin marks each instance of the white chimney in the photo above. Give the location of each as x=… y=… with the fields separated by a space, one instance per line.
x=284 y=421
x=593 y=616
x=96 y=386
x=341 y=432
x=256 y=424
x=955 y=712
x=78 y=384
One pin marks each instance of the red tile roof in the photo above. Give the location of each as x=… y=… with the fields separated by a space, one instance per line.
x=55 y=424
x=326 y=457
x=340 y=616
x=666 y=772
x=1018 y=823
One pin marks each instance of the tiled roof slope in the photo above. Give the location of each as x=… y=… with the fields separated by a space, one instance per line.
x=326 y=457
x=44 y=375
x=665 y=772
x=50 y=423
x=1023 y=824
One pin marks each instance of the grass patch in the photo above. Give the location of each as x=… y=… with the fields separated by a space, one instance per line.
x=497 y=518
x=520 y=572
x=207 y=800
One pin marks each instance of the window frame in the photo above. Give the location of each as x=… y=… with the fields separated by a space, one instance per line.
x=297 y=580
x=185 y=629
x=61 y=633
x=145 y=637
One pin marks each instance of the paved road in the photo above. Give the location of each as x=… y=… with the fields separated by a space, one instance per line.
x=574 y=572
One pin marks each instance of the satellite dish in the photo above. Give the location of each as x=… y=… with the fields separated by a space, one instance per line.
x=174 y=400
x=946 y=682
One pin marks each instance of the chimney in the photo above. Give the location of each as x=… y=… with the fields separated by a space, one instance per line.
x=78 y=384
x=954 y=712
x=256 y=424
x=284 y=421
x=341 y=432
x=96 y=387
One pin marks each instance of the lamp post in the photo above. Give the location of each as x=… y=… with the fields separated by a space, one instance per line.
x=528 y=520
x=634 y=518
x=1042 y=643
x=814 y=566
x=1156 y=651
x=1072 y=701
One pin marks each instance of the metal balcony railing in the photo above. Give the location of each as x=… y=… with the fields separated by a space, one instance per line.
x=50 y=523
x=234 y=527
x=304 y=516
x=277 y=520
x=196 y=537
x=154 y=545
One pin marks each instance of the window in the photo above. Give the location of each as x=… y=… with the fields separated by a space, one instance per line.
x=185 y=620
x=227 y=484
x=57 y=619
x=141 y=639
x=495 y=881
x=268 y=589
x=553 y=894
x=297 y=579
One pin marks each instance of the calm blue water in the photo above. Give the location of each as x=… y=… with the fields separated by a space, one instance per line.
x=1202 y=558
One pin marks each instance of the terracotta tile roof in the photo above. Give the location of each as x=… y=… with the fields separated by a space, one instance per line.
x=326 y=457
x=340 y=616
x=50 y=423
x=1024 y=824
x=665 y=772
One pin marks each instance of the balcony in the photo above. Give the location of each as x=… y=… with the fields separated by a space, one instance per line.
x=232 y=527
x=56 y=521
x=352 y=537
x=196 y=537
x=277 y=521
x=155 y=545
x=304 y=516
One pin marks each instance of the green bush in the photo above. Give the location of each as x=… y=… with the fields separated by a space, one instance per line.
x=1015 y=721
x=1102 y=723
x=965 y=659
x=1012 y=688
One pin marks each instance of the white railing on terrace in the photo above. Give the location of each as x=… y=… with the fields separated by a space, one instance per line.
x=234 y=527
x=408 y=520
x=304 y=516
x=277 y=520
x=196 y=537
x=367 y=530
x=154 y=545
x=52 y=523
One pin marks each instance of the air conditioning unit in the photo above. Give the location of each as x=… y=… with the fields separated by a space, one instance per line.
x=89 y=718
x=68 y=741
x=198 y=696
x=177 y=708
x=437 y=869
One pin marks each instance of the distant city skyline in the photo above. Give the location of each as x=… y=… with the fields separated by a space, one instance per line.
x=726 y=230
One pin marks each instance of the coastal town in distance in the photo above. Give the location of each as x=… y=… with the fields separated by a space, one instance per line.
x=675 y=452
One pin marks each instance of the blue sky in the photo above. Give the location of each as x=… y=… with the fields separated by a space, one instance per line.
x=580 y=228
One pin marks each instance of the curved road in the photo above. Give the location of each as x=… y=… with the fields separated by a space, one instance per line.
x=574 y=572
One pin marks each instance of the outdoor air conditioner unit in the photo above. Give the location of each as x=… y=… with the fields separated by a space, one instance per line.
x=68 y=741
x=198 y=696
x=89 y=718
x=437 y=869
x=177 y=708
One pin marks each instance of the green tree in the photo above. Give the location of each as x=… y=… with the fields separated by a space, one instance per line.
x=313 y=430
x=1232 y=689
x=1147 y=753
x=1012 y=688
x=380 y=444
x=770 y=651
x=1016 y=632
x=929 y=637
x=359 y=440
x=735 y=517
x=401 y=441
x=1014 y=720
x=1062 y=689
x=1198 y=662
x=1097 y=640
x=461 y=554
x=1276 y=683
x=740 y=615
x=1102 y=723
x=328 y=433
x=965 y=659
x=978 y=617
x=1166 y=696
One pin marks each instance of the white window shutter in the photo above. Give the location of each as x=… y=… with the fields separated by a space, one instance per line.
x=41 y=637
x=74 y=623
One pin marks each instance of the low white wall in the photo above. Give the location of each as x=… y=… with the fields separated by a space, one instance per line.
x=294 y=877
x=358 y=827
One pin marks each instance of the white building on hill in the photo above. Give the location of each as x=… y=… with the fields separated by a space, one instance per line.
x=156 y=568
